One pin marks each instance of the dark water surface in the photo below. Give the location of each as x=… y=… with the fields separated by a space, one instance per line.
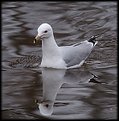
x=29 y=92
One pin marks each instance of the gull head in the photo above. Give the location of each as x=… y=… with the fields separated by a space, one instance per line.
x=44 y=32
x=46 y=108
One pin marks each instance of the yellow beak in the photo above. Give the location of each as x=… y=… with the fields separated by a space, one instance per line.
x=36 y=39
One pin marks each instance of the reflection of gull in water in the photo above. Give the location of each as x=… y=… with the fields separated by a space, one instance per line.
x=52 y=81
x=62 y=57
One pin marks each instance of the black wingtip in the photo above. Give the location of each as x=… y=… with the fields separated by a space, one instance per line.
x=92 y=39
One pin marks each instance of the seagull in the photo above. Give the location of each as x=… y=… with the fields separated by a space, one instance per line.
x=62 y=57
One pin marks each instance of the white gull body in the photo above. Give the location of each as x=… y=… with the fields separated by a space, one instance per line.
x=64 y=57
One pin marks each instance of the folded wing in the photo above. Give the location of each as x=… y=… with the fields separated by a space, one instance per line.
x=77 y=53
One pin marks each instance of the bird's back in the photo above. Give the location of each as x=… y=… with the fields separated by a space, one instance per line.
x=76 y=53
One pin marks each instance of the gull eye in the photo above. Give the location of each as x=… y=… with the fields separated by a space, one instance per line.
x=45 y=31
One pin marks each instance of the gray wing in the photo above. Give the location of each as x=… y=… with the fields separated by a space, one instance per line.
x=75 y=54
